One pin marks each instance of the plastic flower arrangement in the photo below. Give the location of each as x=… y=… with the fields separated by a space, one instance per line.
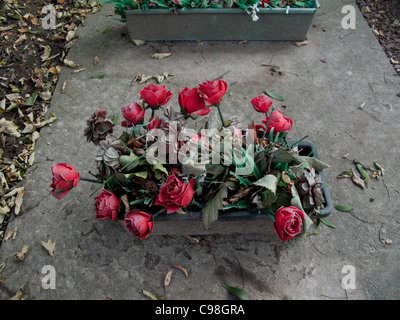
x=158 y=165
x=253 y=5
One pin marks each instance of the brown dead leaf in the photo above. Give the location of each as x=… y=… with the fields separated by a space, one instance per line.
x=19 y=256
x=301 y=43
x=184 y=270
x=168 y=277
x=50 y=246
x=357 y=180
x=95 y=60
x=125 y=201
x=18 y=295
x=18 y=202
x=21 y=39
x=9 y=234
x=64 y=89
x=161 y=55
x=70 y=63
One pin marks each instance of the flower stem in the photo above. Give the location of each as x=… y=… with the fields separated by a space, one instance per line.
x=90 y=180
x=269 y=119
x=220 y=115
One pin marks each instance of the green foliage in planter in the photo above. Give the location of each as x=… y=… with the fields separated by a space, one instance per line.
x=122 y=5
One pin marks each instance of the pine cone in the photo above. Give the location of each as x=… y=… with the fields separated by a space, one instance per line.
x=310 y=189
x=98 y=127
x=107 y=158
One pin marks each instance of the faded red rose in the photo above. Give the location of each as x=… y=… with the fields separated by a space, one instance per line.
x=278 y=122
x=262 y=103
x=213 y=91
x=192 y=103
x=288 y=222
x=106 y=205
x=175 y=194
x=139 y=223
x=154 y=124
x=133 y=113
x=65 y=178
x=154 y=95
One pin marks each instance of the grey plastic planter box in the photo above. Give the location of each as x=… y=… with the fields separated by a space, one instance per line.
x=229 y=222
x=220 y=24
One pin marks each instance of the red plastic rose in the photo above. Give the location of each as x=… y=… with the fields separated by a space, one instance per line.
x=106 y=205
x=65 y=178
x=139 y=223
x=288 y=222
x=133 y=113
x=213 y=91
x=278 y=122
x=262 y=103
x=155 y=95
x=175 y=194
x=154 y=124
x=191 y=102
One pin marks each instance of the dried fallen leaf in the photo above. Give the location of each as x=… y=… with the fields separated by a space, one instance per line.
x=18 y=295
x=150 y=295
x=50 y=246
x=161 y=55
x=64 y=86
x=301 y=43
x=21 y=39
x=184 y=270
x=95 y=60
x=168 y=277
x=78 y=70
x=9 y=234
x=9 y=127
x=46 y=53
x=138 y=42
x=70 y=63
x=18 y=202
x=19 y=256
x=357 y=180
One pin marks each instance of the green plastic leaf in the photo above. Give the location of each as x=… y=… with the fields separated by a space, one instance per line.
x=129 y=162
x=97 y=76
x=210 y=211
x=242 y=204
x=364 y=174
x=158 y=170
x=241 y=294
x=327 y=223
x=269 y=181
x=313 y=162
x=274 y=96
x=268 y=198
x=141 y=174
x=344 y=208
x=242 y=181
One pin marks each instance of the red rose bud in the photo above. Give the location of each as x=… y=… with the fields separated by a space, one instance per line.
x=133 y=113
x=262 y=103
x=65 y=178
x=192 y=103
x=278 y=122
x=288 y=222
x=139 y=223
x=175 y=194
x=106 y=205
x=213 y=91
x=154 y=124
x=154 y=95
